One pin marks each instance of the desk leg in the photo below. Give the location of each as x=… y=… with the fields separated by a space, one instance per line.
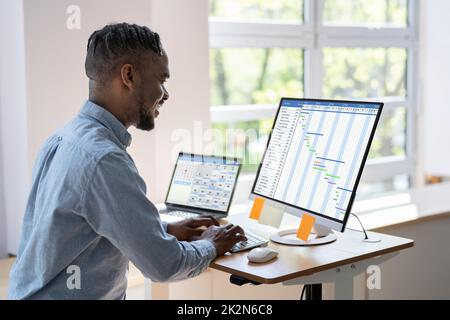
x=147 y=289
x=342 y=277
x=313 y=291
x=343 y=286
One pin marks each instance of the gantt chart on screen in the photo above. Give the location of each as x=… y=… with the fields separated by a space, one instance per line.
x=314 y=154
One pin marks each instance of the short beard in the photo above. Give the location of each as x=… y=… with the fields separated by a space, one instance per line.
x=146 y=120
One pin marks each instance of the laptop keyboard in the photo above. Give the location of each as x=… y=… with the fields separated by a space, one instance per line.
x=182 y=214
x=252 y=241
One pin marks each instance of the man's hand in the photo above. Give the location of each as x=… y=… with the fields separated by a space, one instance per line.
x=223 y=238
x=190 y=229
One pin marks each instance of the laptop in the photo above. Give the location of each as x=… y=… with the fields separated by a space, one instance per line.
x=202 y=185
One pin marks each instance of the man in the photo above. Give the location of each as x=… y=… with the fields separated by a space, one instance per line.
x=87 y=215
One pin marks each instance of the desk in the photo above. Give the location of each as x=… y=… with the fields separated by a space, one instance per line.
x=338 y=262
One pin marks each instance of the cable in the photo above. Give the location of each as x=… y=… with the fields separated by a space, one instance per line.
x=364 y=230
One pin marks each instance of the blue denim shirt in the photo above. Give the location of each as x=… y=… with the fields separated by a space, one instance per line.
x=87 y=216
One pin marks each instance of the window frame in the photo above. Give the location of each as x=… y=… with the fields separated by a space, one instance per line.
x=312 y=36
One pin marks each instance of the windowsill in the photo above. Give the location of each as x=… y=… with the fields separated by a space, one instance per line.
x=415 y=204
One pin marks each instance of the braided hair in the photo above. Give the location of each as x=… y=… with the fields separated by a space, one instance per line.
x=115 y=44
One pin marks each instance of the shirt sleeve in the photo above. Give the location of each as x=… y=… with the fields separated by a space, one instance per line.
x=116 y=206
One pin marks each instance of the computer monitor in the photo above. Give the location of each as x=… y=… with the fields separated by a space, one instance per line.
x=315 y=157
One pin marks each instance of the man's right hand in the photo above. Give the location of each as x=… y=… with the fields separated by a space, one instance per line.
x=223 y=238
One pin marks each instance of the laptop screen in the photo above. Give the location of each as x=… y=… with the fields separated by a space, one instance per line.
x=203 y=182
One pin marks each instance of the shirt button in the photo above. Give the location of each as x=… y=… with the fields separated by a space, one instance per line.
x=59 y=138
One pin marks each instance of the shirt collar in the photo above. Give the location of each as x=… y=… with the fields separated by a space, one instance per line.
x=109 y=120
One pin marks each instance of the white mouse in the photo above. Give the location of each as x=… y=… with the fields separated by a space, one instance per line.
x=260 y=255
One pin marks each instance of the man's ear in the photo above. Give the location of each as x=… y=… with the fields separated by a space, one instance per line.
x=127 y=73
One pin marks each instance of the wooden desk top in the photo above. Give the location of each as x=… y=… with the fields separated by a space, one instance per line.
x=294 y=261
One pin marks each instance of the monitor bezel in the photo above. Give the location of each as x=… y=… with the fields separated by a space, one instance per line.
x=343 y=222
x=181 y=206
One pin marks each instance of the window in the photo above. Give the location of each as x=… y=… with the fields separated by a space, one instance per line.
x=287 y=11
x=262 y=50
x=366 y=13
x=248 y=76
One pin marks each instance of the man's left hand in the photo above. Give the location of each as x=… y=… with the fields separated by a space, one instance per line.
x=190 y=229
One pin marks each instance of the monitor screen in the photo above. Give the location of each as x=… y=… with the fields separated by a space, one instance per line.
x=203 y=182
x=316 y=153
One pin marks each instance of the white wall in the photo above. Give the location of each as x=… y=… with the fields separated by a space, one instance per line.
x=183 y=26
x=421 y=272
x=55 y=85
x=13 y=117
x=434 y=54
x=3 y=249
x=56 y=81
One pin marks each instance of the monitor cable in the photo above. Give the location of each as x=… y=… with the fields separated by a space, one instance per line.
x=366 y=237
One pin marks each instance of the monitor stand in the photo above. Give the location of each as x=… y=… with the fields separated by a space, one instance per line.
x=320 y=235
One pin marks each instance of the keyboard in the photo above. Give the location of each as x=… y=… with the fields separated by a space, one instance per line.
x=252 y=241
x=183 y=214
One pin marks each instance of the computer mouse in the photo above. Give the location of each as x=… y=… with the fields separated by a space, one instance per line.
x=260 y=255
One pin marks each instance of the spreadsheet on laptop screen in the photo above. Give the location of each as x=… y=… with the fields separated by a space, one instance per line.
x=315 y=153
x=203 y=182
